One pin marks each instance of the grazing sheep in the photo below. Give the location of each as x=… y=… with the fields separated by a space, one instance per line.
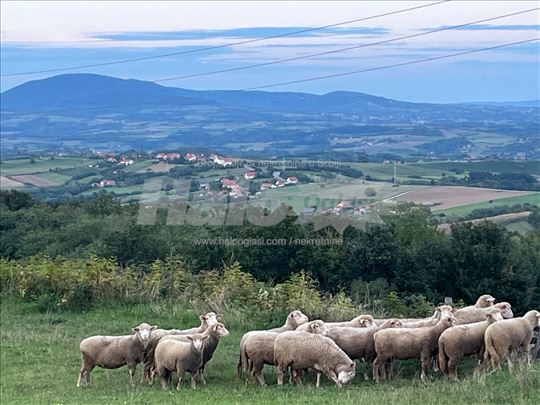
x=473 y=315
x=408 y=343
x=358 y=343
x=172 y=355
x=302 y=350
x=209 y=319
x=214 y=334
x=440 y=311
x=464 y=340
x=484 y=301
x=294 y=320
x=259 y=347
x=114 y=352
x=362 y=321
x=507 y=336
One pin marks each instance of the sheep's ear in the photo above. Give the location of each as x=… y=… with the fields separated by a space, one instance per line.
x=313 y=326
x=488 y=316
x=204 y=337
x=154 y=327
x=203 y=318
x=189 y=338
x=353 y=365
x=454 y=310
x=438 y=309
x=219 y=317
x=135 y=329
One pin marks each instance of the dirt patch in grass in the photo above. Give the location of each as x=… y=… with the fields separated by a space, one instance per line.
x=447 y=197
x=34 y=180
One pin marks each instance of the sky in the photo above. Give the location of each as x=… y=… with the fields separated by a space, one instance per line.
x=45 y=35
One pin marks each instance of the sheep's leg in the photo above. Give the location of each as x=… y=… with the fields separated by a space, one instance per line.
x=256 y=371
x=318 y=384
x=199 y=375
x=193 y=377
x=425 y=366
x=367 y=366
x=435 y=363
x=87 y=375
x=333 y=377
x=82 y=378
x=132 y=367
x=179 y=385
x=376 y=370
x=452 y=367
x=260 y=377
x=279 y=373
x=296 y=377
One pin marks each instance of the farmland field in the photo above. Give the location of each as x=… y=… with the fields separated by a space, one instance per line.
x=386 y=171
x=40 y=364
x=6 y=182
x=531 y=198
x=33 y=180
x=23 y=166
x=498 y=166
x=453 y=196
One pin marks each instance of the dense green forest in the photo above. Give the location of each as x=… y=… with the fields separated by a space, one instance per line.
x=405 y=254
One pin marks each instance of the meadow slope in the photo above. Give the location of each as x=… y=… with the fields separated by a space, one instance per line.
x=40 y=363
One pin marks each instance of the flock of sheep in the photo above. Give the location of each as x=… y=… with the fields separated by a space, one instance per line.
x=486 y=329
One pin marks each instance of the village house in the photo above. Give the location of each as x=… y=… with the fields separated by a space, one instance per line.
x=190 y=157
x=249 y=175
x=168 y=156
x=222 y=161
x=344 y=206
x=104 y=183
x=291 y=180
x=125 y=161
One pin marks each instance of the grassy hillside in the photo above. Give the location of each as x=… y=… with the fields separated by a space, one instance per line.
x=40 y=364
x=533 y=198
x=497 y=166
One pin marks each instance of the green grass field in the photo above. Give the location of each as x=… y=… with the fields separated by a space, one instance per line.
x=40 y=364
x=533 y=198
x=499 y=166
x=23 y=166
x=57 y=178
x=381 y=171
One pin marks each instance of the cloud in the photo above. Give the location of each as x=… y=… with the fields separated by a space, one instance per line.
x=243 y=33
x=486 y=27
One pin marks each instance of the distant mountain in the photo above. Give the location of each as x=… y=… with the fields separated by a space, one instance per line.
x=85 y=90
x=526 y=103
x=88 y=110
x=77 y=90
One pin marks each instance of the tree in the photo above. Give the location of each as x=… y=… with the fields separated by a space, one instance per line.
x=370 y=192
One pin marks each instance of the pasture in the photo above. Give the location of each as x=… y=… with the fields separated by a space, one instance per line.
x=40 y=165
x=40 y=364
x=443 y=197
x=530 y=198
x=498 y=166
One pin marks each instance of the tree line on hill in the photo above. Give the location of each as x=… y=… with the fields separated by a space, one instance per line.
x=405 y=253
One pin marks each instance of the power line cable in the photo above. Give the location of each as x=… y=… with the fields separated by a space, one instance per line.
x=339 y=50
x=334 y=51
x=353 y=72
x=209 y=48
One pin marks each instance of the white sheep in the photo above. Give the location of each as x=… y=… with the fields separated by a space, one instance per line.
x=114 y=351
x=301 y=350
x=408 y=343
x=507 y=336
x=173 y=355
